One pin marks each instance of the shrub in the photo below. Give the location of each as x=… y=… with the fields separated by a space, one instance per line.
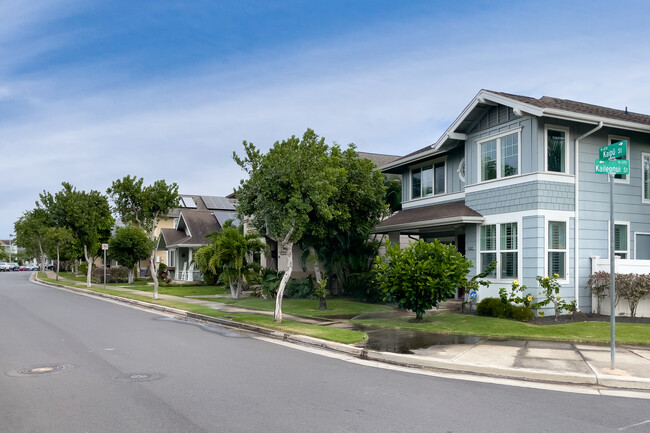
x=83 y=268
x=420 y=276
x=493 y=307
x=113 y=275
x=300 y=288
x=632 y=288
x=598 y=283
x=522 y=313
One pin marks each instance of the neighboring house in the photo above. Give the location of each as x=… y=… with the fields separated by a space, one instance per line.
x=185 y=231
x=513 y=180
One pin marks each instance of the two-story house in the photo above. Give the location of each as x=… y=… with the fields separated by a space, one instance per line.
x=513 y=180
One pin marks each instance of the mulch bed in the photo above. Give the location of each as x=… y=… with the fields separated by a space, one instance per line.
x=584 y=317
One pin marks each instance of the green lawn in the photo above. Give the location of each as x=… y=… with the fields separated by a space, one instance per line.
x=290 y=327
x=186 y=290
x=451 y=323
x=309 y=307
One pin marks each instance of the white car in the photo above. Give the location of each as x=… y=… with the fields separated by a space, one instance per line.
x=4 y=267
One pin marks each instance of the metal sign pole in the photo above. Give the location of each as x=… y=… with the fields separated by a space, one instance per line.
x=104 y=268
x=612 y=271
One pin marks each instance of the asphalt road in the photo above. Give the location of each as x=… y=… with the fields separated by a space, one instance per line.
x=127 y=370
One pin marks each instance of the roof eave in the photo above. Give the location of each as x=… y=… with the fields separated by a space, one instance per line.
x=588 y=118
x=430 y=223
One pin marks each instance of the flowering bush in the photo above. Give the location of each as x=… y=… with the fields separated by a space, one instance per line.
x=516 y=295
x=551 y=293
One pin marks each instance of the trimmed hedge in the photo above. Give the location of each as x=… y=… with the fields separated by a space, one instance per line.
x=495 y=307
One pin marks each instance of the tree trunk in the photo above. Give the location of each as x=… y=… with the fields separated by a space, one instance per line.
x=90 y=266
x=277 y=315
x=154 y=274
x=317 y=271
x=238 y=289
x=131 y=275
x=323 y=304
x=233 y=290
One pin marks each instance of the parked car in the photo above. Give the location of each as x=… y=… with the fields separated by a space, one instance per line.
x=14 y=266
x=33 y=268
x=5 y=267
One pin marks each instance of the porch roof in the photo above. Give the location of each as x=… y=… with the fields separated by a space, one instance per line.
x=436 y=215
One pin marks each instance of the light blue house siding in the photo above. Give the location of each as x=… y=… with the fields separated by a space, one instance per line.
x=523 y=197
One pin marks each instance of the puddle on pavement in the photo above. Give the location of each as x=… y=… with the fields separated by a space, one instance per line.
x=405 y=341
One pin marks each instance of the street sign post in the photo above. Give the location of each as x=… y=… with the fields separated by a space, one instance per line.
x=616 y=166
x=609 y=162
x=614 y=150
x=104 y=247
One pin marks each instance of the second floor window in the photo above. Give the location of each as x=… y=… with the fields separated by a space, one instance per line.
x=499 y=157
x=556 y=150
x=645 y=178
x=428 y=180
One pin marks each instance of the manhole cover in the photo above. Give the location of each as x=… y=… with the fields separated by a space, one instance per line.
x=40 y=370
x=138 y=377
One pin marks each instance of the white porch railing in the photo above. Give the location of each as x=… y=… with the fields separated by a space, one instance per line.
x=622 y=266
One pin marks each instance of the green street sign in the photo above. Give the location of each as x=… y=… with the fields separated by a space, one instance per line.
x=616 y=166
x=613 y=151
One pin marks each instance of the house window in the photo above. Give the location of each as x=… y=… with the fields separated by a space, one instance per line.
x=500 y=157
x=557 y=249
x=556 y=149
x=171 y=258
x=428 y=180
x=488 y=246
x=645 y=177
x=611 y=139
x=620 y=240
x=508 y=246
x=439 y=178
x=461 y=170
x=504 y=251
x=642 y=246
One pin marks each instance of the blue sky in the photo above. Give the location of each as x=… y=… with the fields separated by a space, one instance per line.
x=91 y=91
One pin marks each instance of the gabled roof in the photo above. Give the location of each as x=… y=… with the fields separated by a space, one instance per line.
x=437 y=215
x=525 y=106
x=199 y=224
x=378 y=158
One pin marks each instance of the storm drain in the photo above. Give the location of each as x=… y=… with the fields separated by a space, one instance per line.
x=138 y=377
x=41 y=370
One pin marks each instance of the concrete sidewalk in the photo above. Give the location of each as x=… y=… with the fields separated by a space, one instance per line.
x=543 y=361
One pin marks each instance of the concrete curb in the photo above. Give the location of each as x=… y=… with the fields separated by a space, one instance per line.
x=414 y=361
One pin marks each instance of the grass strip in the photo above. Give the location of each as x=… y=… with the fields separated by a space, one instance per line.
x=451 y=323
x=288 y=326
x=308 y=307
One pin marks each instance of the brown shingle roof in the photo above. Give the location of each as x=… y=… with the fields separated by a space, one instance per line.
x=580 y=107
x=200 y=224
x=378 y=158
x=432 y=215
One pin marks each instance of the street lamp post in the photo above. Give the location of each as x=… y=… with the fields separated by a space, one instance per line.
x=10 y=247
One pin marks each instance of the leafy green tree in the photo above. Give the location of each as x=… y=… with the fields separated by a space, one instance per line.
x=285 y=186
x=57 y=239
x=143 y=206
x=3 y=255
x=233 y=251
x=86 y=214
x=30 y=230
x=128 y=246
x=420 y=276
x=341 y=237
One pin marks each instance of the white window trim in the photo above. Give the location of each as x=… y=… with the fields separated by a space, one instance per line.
x=497 y=222
x=635 y=243
x=432 y=163
x=566 y=147
x=609 y=237
x=627 y=156
x=462 y=169
x=644 y=155
x=566 y=250
x=498 y=138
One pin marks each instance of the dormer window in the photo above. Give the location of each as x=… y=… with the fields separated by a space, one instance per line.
x=499 y=156
x=428 y=180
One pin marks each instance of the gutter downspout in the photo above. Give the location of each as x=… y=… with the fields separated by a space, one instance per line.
x=576 y=251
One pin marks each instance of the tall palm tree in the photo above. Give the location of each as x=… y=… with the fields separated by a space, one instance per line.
x=230 y=255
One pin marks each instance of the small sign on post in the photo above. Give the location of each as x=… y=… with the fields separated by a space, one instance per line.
x=104 y=248
x=610 y=162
